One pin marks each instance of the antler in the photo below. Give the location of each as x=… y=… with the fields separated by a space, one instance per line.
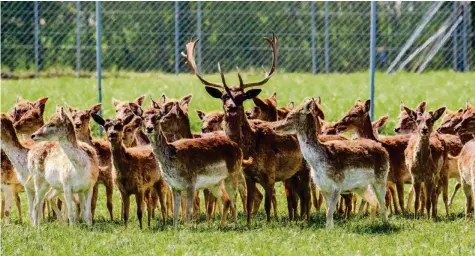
x=190 y=61
x=273 y=44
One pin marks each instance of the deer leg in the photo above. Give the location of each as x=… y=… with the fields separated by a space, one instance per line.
x=320 y=200
x=274 y=203
x=410 y=198
x=139 y=200
x=380 y=191
x=416 y=187
x=445 y=193
x=95 y=194
x=400 y=194
x=428 y=192
x=456 y=188
x=251 y=191
x=313 y=189
x=8 y=196
x=393 y=192
x=41 y=187
x=125 y=207
x=149 y=204
x=190 y=194
x=18 y=206
x=196 y=206
x=176 y=206
x=291 y=198
x=269 y=189
x=331 y=199
x=161 y=189
x=109 y=190
x=243 y=194
x=82 y=206
x=257 y=202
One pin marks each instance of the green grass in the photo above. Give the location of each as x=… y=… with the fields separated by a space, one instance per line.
x=359 y=235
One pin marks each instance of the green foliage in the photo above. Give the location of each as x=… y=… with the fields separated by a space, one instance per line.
x=359 y=235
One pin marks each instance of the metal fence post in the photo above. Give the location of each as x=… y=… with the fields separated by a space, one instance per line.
x=465 y=36
x=327 y=40
x=78 y=38
x=198 y=27
x=372 y=56
x=313 y=33
x=177 y=37
x=454 y=41
x=99 y=56
x=37 y=38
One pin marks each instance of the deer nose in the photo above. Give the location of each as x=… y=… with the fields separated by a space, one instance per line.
x=203 y=130
x=397 y=129
x=77 y=125
x=149 y=129
x=33 y=136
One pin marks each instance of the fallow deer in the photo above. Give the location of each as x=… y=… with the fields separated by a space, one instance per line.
x=130 y=130
x=212 y=162
x=425 y=157
x=359 y=166
x=64 y=164
x=135 y=171
x=276 y=158
x=80 y=119
x=123 y=112
x=466 y=160
x=452 y=142
x=357 y=120
x=212 y=121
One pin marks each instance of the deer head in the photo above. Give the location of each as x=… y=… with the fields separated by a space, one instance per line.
x=20 y=108
x=31 y=120
x=298 y=118
x=284 y=111
x=408 y=118
x=59 y=127
x=426 y=121
x=130 y=129
x=122 y=110
x=232 y=97
x=174 y=120
x=264 y=109
x=81 y=118
x=8 y=133
x=112 y=127
x=449 y=121
x=355 y=118
x=467 y=124
x=150 y=118
x=212 y=121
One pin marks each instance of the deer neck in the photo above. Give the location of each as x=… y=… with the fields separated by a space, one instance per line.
x=141 y=138
x=237 y=128
x=366 y=130
x=185 y=130
x=422 y=149
x=118 y=154
x=84 y=135
x=466 y=137
x=311 y=147
x=18 y=155
x=161 y=148
x=71 y=148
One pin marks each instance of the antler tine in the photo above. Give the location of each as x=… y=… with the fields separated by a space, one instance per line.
x=190 y=61
x=273 y=44
x=241 y=83
x=226 y=88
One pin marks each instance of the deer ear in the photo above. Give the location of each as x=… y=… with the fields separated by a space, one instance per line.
x=380 y=122
x=410 y=112
x=70 y=109
x=98 y=119
x=60 y=111
x=460 y=111
x=136 y=109
x=140 y=100
x=367 y=105
x=438 y=113
x=214 y=92
x=201 y=114
x=40 y=104
x=18 y=98
x=274 y=97
x=163 y=98
x=307 y=106
x=251 y=94
x=468 y=105
x=258 y=101
x=421 y=107
x=115 y=102
x=96 y=108
x=174 y=109
x=291 y=105
x=318 y=100
x=401 y=107
x=154 y=104
x=185 y=101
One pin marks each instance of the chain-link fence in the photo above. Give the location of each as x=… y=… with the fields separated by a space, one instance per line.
x=317 y=37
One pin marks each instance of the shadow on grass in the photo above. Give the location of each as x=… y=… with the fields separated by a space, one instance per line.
x=378 y=228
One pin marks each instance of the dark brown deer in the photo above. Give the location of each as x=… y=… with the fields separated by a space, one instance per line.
x=276 y=158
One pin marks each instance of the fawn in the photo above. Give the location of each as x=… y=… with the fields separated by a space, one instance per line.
x=212 y=121
x=359 y=166
x=130 y=130
x=425 y=156
x=276 y=158
x=212 y=162
x=452 y=142
x=80 y=119
x=466 y=159
x=10 y=187
x=135 y=171
x=357 y=120
x=65 y=164
x=123 y=112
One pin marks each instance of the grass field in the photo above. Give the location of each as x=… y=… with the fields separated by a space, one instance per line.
x=357 y=236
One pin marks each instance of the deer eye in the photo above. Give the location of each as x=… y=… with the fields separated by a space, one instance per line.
x=128 y=130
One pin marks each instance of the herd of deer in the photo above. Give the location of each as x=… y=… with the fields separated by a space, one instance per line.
x=152 y=153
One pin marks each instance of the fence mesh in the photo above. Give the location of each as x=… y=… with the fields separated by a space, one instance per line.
x=316 y=37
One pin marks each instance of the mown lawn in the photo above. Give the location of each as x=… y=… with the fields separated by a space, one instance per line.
x=357 y=236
